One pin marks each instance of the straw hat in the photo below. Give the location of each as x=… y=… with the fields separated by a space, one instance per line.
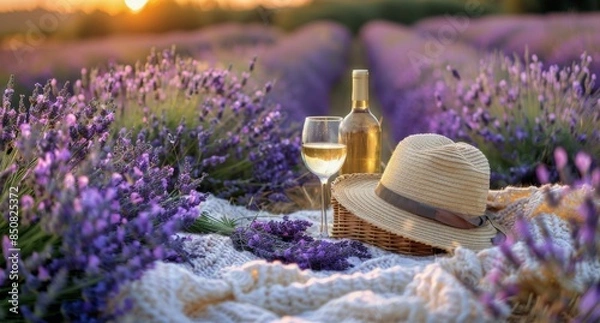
x=432 y=191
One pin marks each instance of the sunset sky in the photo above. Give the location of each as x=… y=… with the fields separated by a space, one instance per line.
x=117 y=5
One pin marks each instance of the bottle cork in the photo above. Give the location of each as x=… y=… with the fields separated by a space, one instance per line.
x=360 y=85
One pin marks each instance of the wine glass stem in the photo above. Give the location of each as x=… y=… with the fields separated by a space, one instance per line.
x=323 y=232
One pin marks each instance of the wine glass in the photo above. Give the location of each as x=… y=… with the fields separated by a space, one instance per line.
x=323 y=154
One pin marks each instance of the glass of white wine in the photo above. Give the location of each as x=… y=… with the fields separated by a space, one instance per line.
x=323 y=153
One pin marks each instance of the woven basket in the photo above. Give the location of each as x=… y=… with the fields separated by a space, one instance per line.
x=349 y=226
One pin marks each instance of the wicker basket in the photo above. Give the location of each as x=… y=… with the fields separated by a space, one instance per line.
x=347 y=225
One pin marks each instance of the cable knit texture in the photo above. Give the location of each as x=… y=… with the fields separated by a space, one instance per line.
x=224 y=285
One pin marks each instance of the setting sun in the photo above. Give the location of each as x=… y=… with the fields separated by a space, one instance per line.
x=135 y=5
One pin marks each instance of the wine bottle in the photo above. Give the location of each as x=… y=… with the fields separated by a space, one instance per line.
x=360 y=131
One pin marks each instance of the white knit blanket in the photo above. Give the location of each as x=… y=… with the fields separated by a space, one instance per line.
x=225 y=285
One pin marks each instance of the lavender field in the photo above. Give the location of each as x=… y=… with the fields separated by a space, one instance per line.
x=403 y=60
x=520 y=82
x=111 y=146
x=313 y=57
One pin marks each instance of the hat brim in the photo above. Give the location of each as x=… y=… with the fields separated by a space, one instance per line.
x=356 y=192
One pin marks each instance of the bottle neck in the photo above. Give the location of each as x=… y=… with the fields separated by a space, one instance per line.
x=360 y=105
x=360 y=92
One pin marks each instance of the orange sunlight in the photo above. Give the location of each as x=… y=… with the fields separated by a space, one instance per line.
x=135 y=5
x=114 y=6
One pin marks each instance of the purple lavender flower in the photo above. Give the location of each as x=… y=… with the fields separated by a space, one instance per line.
x=589 y=231
x=542 y=174
x=589 y=305
x=560 y=157
x=528 y=111
x=569 y=50
x=225 y=130
x=288 y=242
x=81 y=232
x=583 y=162
x=552 y=295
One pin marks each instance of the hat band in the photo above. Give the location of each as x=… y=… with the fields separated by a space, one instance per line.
x=443 y=216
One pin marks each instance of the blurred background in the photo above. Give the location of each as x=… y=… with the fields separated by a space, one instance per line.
x=40 y=39
x=307 y=47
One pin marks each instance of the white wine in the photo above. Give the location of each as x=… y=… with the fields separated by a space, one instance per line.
x=360 y=130
x=323 y=155
x=323 y=158
x=363 y=146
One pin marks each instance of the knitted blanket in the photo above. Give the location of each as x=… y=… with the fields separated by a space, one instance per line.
x=225 y=285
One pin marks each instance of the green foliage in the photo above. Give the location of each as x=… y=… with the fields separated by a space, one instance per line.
x=353 y=14
x=96 y=24
x=157 y=17
x=542 y=6
x=207 y=223
x=167 y=15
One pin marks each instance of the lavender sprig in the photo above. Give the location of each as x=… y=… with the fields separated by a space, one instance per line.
x=288 y=242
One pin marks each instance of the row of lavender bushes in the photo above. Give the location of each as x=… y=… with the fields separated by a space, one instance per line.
x=320 y=55
x=102 y=187
x=515 y=108
x=89 y=210
x=536 y=122
x=106 y=170
x=203 y=121
x=519 y=111
x=557 y=38
x=404 y=70
x=305 y=63
x=42 y=61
